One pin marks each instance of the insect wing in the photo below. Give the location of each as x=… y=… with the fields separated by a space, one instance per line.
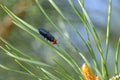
x=43 y=32
x=50 y=37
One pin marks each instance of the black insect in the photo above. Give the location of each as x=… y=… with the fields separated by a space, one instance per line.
x=47 y=35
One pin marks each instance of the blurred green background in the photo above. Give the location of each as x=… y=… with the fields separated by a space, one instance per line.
x=29 y=12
